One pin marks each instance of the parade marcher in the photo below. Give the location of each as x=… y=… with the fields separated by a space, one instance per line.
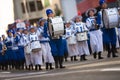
x=37 y=55
x=109 y=35
x=9 y=44
x=82 y=45
x=72 y=46
x=3 y=62
x=27 y=50
x=46 y=49
x=56 y=44
x=20 y=54
x=96 y=40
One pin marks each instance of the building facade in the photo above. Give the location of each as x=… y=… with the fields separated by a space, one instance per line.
x=34 y=9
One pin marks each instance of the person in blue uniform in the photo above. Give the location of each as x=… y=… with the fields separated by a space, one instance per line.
x=19 y=42
x=9 y=52
x=56 y=44
x=109 y=35
x=45 y=46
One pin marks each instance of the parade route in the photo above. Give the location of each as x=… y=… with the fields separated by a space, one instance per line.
x=107 y=69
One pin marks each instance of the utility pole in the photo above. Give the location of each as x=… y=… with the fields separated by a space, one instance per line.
x=69 y=9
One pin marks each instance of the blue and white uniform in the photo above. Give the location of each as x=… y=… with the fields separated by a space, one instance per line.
x=82 y=45
x=36 y=57
x=46 y=49
x=96 y=40
x=109 y=35
x=72 y=48
x=26 y=42
x=19 y=41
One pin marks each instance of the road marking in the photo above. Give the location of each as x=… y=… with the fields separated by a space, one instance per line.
x=111 y=69
x=5 y=72
x=22 y=74
x=95 y=64
x=65 y=73
x=53 y=74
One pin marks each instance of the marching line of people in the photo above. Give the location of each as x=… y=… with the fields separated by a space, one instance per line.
x=31 y=47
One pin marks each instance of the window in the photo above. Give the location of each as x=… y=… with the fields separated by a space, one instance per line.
x=23 y=7
x=27 y=6
x=39 y=5
x=32 y=6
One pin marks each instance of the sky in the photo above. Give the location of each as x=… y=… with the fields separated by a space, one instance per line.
x=6 y=14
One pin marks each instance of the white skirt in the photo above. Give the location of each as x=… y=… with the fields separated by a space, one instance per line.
x=72 y=50
x=37 y=58
x=28 y=59
x=83 y=48
x=46 y=51
x=96 y=41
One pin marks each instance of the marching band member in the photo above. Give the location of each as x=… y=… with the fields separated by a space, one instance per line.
x=19 y=42
x=26 y=42
x=72 y=47
x=82 y=45
x=4 y=56
x=56 y=44
x=9 y=52
x=36 y=56
x=46 y=49
x=96 y=41
x=109 y=35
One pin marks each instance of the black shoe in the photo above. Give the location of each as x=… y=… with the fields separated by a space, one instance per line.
x=100 y=58
x=47 y=66
x=95 y=55
x=35 y=67
x=72 y=58
x=62 y=67
x=115 y=56
x=50 y=64
x=84 y=57
x=75 y=59
x=40 y=67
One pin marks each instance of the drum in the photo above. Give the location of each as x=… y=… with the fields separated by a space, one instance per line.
x=35 y=46
x=82 y=36
x=110 y=18
x=71 y=40
x=27 y=49
x=56 y=27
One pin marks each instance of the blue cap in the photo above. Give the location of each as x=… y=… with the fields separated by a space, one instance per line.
x=101 y=2
x=9 y=31
x=48 y=11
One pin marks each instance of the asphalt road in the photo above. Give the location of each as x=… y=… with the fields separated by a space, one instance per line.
x=93 y=69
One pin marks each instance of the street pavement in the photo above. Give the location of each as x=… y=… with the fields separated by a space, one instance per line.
x=92 y=69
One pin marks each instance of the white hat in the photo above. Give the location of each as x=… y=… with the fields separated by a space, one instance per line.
x=93 y=9
x=80 y=17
